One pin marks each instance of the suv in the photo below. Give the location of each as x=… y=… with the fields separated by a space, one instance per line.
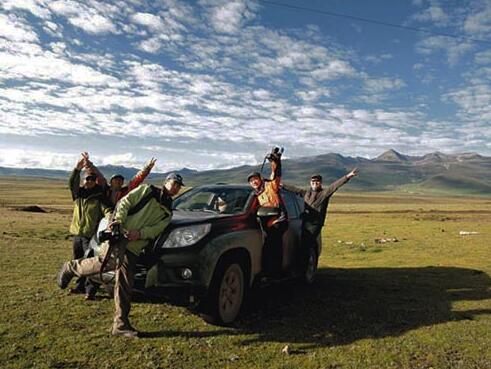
x=213 y=247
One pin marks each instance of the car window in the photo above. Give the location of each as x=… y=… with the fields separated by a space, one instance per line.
x=221 y=200
x=290 y=203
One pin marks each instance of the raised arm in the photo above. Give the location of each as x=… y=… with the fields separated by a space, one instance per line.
x=333 y=187
x=141 y=175
x=101 y=180
x=74 y=180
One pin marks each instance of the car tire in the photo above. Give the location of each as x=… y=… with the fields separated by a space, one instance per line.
x=310 y=268
x=226 y=293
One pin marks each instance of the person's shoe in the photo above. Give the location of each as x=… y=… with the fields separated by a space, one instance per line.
x=64 y=276
x=89 y=297
x=125 y=332
x=76 y=291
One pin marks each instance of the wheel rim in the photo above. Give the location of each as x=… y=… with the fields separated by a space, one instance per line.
x=231 y=293
x=311 y=267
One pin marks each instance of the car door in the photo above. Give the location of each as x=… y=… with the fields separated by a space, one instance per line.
x=292 y=237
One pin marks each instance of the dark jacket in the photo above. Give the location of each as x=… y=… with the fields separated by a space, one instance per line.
x=316 y=203
x=89 y=208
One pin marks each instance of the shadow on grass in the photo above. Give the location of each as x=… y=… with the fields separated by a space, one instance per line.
x=346 y=305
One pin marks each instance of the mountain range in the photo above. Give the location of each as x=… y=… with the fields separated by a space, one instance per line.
x=466 y=173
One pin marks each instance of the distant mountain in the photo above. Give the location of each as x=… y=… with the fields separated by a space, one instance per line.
x=392 y=155
x=465 y=173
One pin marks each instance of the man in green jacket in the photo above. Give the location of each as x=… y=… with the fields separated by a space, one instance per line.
x=90 y=206
x=143 y=214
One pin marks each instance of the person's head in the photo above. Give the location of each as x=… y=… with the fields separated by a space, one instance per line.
x=316 y=182
x=173 y=183
x=255 y=180
x=116 y=181
x=221 y=204
x=89 y=180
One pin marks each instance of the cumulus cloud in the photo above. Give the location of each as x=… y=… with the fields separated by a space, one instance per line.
x=229 y=16
x=454 y=48
x=433 y=13
x=15 y=29
x=36 y=7
x=84 y=17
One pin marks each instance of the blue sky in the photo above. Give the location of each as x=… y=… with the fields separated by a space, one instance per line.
x=215 y=83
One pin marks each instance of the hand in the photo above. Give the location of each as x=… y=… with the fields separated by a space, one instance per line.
x=133 y=235
x=112 y=224
x=150 y=164
x=352 y=174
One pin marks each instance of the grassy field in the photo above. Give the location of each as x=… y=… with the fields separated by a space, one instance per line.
x=421 y=302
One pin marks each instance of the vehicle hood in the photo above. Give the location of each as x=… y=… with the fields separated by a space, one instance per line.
x=182 y=217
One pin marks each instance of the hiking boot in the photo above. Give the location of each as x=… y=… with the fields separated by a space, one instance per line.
x=90 y=297
x=76 y=291
x=64 y=276
x=125 y=332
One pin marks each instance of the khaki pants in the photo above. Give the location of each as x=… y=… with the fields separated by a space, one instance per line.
x=123 y=281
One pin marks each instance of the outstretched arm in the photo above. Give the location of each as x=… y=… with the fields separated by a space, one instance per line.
x=333 y=187
x=295 y=189
x=141 y=175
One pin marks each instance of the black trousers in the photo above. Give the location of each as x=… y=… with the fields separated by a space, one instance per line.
x=272 y=258
x=82 y=284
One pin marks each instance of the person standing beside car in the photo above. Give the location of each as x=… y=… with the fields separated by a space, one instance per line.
x=316 y=202
x=268 y=195
x=89 y=208
x=143 y=214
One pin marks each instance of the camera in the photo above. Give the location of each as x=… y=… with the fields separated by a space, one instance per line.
x=275 y=154
x=113 y=234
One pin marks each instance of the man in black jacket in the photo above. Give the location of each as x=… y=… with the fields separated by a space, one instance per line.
x=316 y=203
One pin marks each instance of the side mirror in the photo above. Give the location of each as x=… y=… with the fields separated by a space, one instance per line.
x=265 y=211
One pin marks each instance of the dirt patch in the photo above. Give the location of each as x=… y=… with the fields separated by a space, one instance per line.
x=32 y=209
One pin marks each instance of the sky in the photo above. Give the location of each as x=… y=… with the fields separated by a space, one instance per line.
x=212 y=84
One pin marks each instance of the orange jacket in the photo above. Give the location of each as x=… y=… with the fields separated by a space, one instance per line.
x=269 y=196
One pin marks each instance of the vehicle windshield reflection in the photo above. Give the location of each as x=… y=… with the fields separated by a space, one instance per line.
x=217 y=200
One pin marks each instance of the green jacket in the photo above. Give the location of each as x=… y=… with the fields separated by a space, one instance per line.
x=89 y=207
x=151 y=220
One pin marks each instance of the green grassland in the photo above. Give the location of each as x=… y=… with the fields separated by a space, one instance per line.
x=421 y=302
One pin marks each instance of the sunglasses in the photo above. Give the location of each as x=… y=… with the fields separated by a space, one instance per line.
x=90 y=179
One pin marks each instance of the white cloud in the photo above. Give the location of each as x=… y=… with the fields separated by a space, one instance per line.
x=154 y=22
x=454 y=48
x=229 y=16
x=479 y=22
x=434 y=13
x=93 y=23
x=48 y=66
x=36 y=7
x=84 y=17
x=15 y=29
x=333 y=70
x=378 y=85
x=483 y=57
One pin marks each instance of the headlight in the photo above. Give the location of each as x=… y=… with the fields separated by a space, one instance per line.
x=186 y=236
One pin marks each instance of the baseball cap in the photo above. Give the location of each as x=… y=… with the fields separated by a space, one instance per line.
x=253 y=174
x=174 y=177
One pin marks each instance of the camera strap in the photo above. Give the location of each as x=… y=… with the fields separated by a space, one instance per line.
x=154 y=193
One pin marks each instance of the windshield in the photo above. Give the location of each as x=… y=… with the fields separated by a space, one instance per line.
x=220 y=200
